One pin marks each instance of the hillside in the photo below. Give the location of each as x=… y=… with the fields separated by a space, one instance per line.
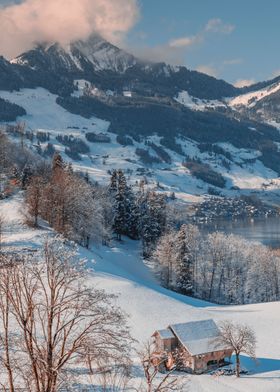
x=118 y=269
x=189 y=132
x=242 y=168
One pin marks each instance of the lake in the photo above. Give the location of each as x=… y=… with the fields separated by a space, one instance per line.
x=264 y=230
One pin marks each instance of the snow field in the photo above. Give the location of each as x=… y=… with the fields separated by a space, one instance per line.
x=120 y=270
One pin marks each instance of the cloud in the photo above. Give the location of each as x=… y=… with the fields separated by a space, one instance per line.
x=212 y=26
x=244 y=82
x=64 y=21
x=184 y=42
x=160 y=53
x=208 y=69
x=174 y=51
x=218 y=26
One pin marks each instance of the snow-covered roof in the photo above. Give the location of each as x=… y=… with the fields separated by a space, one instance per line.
x=198 y=336
x=166 y=333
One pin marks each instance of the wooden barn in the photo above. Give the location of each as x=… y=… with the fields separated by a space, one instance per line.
x=196 y=345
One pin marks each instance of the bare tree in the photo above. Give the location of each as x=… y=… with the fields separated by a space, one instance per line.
x=241 y=338
x=60 y=321
x=2 y=222
x=33 y=198
x=153 y=365
x=115 y=377
x=164 y=259
x=5 y=317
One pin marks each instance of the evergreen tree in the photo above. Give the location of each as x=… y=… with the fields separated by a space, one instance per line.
x=133 y=217
x=184 y=262
x=153 y=219
x=122 y=195
x=113 y=183
x=26 y=176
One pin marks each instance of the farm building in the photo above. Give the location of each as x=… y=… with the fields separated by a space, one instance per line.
x=197 y=344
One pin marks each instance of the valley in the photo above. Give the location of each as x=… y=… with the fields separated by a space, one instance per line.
x=166 y=181
x=243 y=172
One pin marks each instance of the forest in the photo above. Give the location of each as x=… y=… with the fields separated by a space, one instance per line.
x=220 y=268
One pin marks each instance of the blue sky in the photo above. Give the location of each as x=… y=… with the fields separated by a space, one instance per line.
x=242 y=44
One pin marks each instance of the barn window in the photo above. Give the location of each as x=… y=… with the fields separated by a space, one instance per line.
x=211 y=363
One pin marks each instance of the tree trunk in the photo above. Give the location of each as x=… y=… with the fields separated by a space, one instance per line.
x=7 y=349
x=36 y=220
x=212 y=282
x=221 y=281
x=237 y=365
x=170 y=272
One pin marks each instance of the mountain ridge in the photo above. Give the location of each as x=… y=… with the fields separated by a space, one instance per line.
x=104 y=64
x=142 y=100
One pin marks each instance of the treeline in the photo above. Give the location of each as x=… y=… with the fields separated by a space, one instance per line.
x=10 y=111
x=79 y=209
x=66 y=201
x=204 y=172
x=15 y=161
x=87 y=212
x=219 y=268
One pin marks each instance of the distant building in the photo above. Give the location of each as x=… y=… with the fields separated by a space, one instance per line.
x=127 y=94
x=197 y=344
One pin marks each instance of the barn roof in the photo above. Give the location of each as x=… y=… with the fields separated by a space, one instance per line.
x=198 y=336
x=166 y=333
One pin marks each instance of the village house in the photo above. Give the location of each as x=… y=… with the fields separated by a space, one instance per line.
x=196 y=344
x=127 y=93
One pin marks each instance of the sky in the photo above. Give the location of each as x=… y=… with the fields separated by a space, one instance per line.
x=233 y=40
x=243 y=45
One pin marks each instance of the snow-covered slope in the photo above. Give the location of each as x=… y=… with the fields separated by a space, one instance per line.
x=245 y=172
x=119 y=269
x=44 y=113
x=250 y=99
x=193 y=103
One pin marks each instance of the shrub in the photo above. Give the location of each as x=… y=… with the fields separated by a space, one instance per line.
x=76 y=145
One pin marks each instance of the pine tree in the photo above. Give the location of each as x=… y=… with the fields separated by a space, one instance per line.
x=119 y=215
x=153 y=220
x=121 y=203
x=26 y=176
x=185 y=276
x=113 y=183
x=133 y=217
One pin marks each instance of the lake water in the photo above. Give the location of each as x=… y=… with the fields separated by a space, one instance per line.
x=264 y=230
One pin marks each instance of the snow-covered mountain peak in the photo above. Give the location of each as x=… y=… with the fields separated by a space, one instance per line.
x=103 y=55
x=95 y=50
